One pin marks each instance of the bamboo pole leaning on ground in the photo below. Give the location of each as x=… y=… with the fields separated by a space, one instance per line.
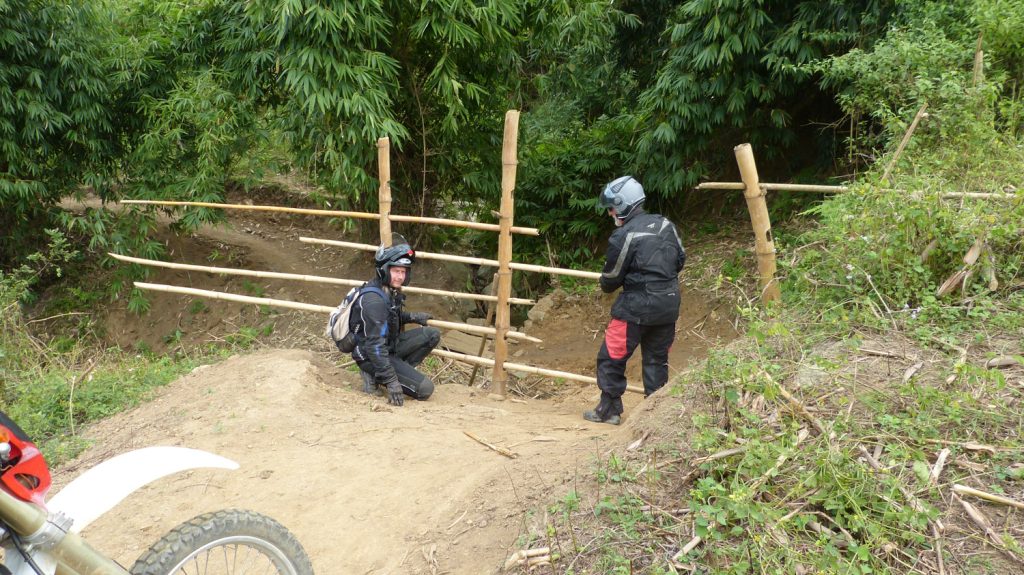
x=903 y=143
x=764 y=245
x=479 y=330
x=487 y=362
x=502 y=315
x=308 y=278
x=488 y=320
x=463 y=259
x=339 y=214
x=384 y=192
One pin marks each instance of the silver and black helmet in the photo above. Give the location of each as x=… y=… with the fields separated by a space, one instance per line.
x=624 y=194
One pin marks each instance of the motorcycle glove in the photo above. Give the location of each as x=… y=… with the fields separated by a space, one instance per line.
x=395 y=395
x=420 y=317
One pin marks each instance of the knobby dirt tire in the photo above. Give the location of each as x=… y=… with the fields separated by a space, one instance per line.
x=228 y=542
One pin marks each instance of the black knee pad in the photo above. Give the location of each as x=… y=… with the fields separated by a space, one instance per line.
x=425 y=389
x=433 y=338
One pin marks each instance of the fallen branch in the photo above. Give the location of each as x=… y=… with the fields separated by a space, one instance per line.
x=500 y=450
x=964 y=490
x=937 y=537
x=882 y=353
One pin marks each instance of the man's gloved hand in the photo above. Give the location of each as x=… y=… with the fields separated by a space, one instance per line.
x=395 y=395
x=420 y=317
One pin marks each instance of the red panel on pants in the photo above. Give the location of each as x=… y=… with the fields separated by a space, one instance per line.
x=615 y=338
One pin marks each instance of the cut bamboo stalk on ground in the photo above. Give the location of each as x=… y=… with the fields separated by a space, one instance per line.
x=499 y=449
x=313 y=307
x=983 y=523
x=690 y=546
x=338 y=214
x=940 y=464
x=529 y=557
x=964 y=490
x=308 y=278
x=463 y=259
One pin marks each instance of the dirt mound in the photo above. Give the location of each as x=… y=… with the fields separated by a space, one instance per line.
x=366 y=488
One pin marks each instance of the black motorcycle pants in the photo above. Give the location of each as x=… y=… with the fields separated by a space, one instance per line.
x=620 y=341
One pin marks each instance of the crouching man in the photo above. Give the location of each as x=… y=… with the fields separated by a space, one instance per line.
x=387 y=356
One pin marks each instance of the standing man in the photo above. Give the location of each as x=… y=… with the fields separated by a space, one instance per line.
x=386 y=355
x=645 y=256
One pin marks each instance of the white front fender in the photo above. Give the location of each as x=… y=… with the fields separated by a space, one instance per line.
x=99 y=489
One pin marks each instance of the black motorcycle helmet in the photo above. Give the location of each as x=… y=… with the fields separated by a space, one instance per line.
x=400 y=254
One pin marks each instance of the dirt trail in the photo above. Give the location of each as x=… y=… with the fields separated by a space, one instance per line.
x=367 y=488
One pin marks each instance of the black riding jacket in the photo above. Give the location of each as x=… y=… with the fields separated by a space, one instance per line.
x=376 y=323
x=644 y=258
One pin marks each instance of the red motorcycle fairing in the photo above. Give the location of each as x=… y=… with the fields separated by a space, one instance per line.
x=24 y=472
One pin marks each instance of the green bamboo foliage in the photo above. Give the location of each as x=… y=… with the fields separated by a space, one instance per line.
x=734 y=72
x=55 y=120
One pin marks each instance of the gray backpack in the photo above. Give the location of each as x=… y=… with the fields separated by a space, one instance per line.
x=338 y=329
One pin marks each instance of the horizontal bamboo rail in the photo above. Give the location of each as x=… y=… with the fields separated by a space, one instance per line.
x=307 y=278
x=774 y=187
x=479 y=330
x=980 y=196
x=475 y=360
x=463 y=259
x=340 y=214
x=841 y=189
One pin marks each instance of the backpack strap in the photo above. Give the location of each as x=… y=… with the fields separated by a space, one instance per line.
x=372 y=289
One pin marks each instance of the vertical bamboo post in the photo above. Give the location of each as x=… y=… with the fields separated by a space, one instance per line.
x=764 y=245
x=979 y=62
x=499 y=378
x=384 y=192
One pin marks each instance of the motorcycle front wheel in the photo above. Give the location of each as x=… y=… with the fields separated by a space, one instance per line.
x=228 y=542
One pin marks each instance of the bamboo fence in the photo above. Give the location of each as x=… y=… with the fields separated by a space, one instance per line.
x=503 y=285
x=754 y=192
